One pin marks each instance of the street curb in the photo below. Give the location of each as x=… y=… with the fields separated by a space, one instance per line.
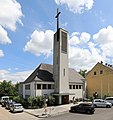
x=47 y=115
x=31 y=114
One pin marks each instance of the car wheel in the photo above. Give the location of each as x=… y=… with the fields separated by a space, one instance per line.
x=88 y=112
x=108 y=106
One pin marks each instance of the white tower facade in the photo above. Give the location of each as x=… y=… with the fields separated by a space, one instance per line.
x=60 y=62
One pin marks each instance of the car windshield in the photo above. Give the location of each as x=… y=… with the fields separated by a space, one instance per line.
x=5 y=98
x=18 y=105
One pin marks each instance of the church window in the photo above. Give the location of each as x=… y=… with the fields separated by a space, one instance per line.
x=64 y=72
x=76 y=86
x=70 y=86
x=80 y=87
x=44 y=86
x=73 y=86
x=64 y=42
x=27 y=87
x=38 y=86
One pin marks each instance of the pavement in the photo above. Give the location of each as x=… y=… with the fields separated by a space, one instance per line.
x=49 y=111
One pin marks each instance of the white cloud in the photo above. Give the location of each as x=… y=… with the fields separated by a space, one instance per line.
x=76 y=6
x=85 y=37
x=40 y=43
x=83 y=54
x=3 y=36
x=1 y=53
x=14 y=77
x=104 y=38
x=10 y=14
x=77 y=38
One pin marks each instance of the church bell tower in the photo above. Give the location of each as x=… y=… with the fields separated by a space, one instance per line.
x=60 y=63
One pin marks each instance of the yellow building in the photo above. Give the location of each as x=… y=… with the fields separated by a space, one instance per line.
x=100 y=80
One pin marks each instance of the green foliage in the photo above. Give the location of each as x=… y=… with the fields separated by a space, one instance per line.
x=18 y=99
x=51 y=100
x=39 y=101
x=7 y=88
x=83 y=73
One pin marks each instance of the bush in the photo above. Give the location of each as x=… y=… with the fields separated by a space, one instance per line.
x=51 y=101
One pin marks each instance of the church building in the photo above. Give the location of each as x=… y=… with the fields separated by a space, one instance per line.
x=58 y=79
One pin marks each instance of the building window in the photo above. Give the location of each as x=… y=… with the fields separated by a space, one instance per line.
x=38 y=86
x=44 y=86
x=70 y=86
x=95 y=73
x=64 y=72
x=73 y=86
x=49 y=86
x=27 y=96
x=76 y=86
x=64 y=42
x=27 y=87
x=80 y=86
x=101 y=71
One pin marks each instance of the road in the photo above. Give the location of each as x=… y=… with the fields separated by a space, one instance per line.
x=100 y=114
x=7 y=115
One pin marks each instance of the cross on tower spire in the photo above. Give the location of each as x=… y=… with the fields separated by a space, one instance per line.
x=57 y=16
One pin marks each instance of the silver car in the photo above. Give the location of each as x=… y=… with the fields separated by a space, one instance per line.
x=109 y=99
x=101 y=103
x=16 y=107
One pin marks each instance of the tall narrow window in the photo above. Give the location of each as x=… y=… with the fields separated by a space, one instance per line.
x=70 y=86
x=64 y=42
x=73 y=86
x=64 y=72
x=44 y=86
x=80 y=87
x=76 y=86
x=38 y=86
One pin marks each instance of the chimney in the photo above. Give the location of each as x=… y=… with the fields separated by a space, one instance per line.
x=101 y=62
x=106 y=64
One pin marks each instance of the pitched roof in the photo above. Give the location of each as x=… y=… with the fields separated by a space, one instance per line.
x=44 y=72
x=74 y=76
x=106 y=66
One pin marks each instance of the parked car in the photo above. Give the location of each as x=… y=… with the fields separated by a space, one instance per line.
x=101 y=103
x=4 y=98
x=83 y=108
x=16 y=107
x=9 y=104
x=109 y=99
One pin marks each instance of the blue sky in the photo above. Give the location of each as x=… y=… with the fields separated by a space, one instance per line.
x=27 y=28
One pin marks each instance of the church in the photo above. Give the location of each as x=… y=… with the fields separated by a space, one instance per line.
x=58 y=79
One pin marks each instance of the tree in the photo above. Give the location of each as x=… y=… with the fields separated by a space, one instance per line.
x=83 y=73
x=8 y=89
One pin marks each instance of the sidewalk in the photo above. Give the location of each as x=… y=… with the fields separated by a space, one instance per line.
x=50 y=111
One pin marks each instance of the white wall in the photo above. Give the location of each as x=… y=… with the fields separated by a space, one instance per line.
x=77 y=93
x=44 y=92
